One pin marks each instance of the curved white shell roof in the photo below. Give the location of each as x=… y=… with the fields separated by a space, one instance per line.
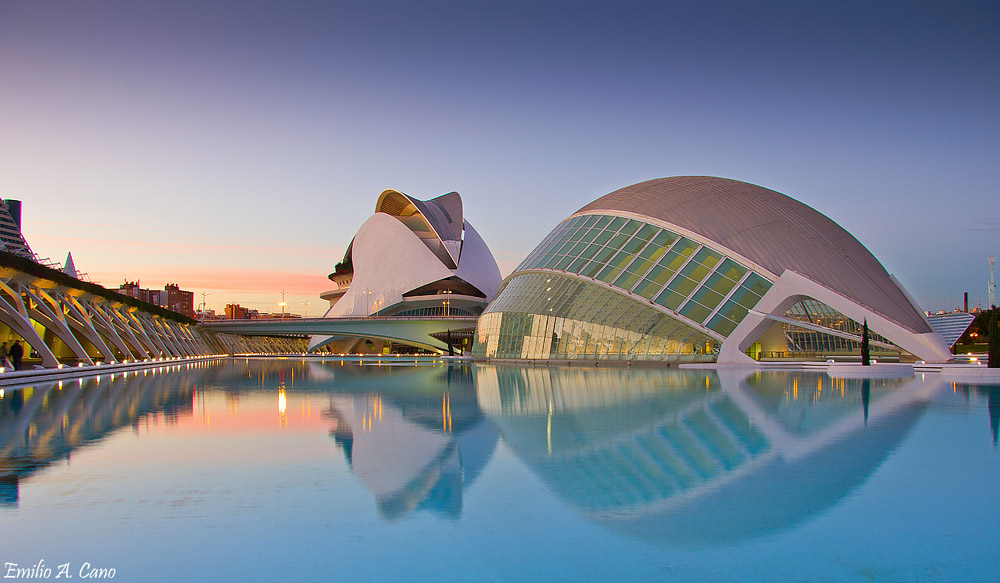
x=401 y=248
x=772 y=230
x=442 y=214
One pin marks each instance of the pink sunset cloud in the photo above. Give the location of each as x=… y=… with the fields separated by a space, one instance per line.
x=231 y=280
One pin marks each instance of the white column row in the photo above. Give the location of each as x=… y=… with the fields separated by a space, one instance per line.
x=118 y=332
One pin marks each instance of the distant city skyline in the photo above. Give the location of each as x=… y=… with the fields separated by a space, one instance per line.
x=234 y=148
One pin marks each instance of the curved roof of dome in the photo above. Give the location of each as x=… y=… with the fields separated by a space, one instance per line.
x=442 y=213
x=773 y=230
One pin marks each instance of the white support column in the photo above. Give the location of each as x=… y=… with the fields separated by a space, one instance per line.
x=179 y=331
x=155 y=331
x=104 y=322
x=204 y=339
x=14 y=314
x=78 y=319
x=152 y=340
x=134 y=333
x=49 y=313
x=157 y=324
x=180 y=342
x=194 y=335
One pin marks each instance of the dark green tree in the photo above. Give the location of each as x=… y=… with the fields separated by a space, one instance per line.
x=866 y=353
x=994 y=350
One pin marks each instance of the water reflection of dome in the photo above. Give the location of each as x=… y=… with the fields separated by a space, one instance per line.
x=693 y=457
x=418 y=446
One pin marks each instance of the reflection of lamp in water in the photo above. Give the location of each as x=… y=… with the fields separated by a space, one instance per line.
x=446 y=413
x=373 y=415
x=282 y=418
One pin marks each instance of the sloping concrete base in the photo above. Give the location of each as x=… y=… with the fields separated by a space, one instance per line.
x=971 y=373
x=842 y=370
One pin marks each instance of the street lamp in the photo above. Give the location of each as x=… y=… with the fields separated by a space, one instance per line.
x=204 y=306
x=283 y=304
x=368 y=302
x=446 y=303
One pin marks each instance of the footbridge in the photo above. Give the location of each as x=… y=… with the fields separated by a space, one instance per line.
x=417 y=331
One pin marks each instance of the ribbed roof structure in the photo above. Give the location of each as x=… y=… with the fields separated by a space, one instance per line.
x=772 y=230
x=443 y=215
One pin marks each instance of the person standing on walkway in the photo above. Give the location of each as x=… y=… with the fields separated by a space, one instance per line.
x=4 y=361
x=16 y=352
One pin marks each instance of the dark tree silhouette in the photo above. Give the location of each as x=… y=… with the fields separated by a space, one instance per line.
x=994 y=346
x=865 y=350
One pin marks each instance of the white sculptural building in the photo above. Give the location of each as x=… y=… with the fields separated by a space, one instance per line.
x=699 y=268
x=411 y=258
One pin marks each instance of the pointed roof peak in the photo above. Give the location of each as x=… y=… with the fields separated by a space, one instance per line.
x=69 y=268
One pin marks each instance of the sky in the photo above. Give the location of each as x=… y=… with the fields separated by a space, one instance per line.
x=235 y=147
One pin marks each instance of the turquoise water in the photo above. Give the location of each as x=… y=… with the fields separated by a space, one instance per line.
x=287 y=470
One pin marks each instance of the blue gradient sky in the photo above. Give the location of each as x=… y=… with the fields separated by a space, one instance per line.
x=236 y=147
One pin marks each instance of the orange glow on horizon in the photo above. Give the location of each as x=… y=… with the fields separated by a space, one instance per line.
x=218 y=412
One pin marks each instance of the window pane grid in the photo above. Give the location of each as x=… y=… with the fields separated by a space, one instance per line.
x=646 y=232
x=655 y=264
x=539 y=316
x=631 y=227
x=618 y=240
x=603 y=237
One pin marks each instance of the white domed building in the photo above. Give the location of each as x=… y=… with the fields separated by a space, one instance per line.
x=699 y=268
x=411 y=258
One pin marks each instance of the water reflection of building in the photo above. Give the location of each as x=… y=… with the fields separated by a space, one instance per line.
x=43 y=424
x=418 y=445
x=694 y=456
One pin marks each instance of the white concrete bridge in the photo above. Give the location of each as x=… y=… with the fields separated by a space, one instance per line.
x=410 y=330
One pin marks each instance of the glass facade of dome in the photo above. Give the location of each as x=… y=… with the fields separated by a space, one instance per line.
x=569 y=299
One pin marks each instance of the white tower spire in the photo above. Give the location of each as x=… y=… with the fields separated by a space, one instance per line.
x=69 y=268
x=993 y=287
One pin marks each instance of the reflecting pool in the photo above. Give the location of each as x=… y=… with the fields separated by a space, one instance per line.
x=307 y=470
